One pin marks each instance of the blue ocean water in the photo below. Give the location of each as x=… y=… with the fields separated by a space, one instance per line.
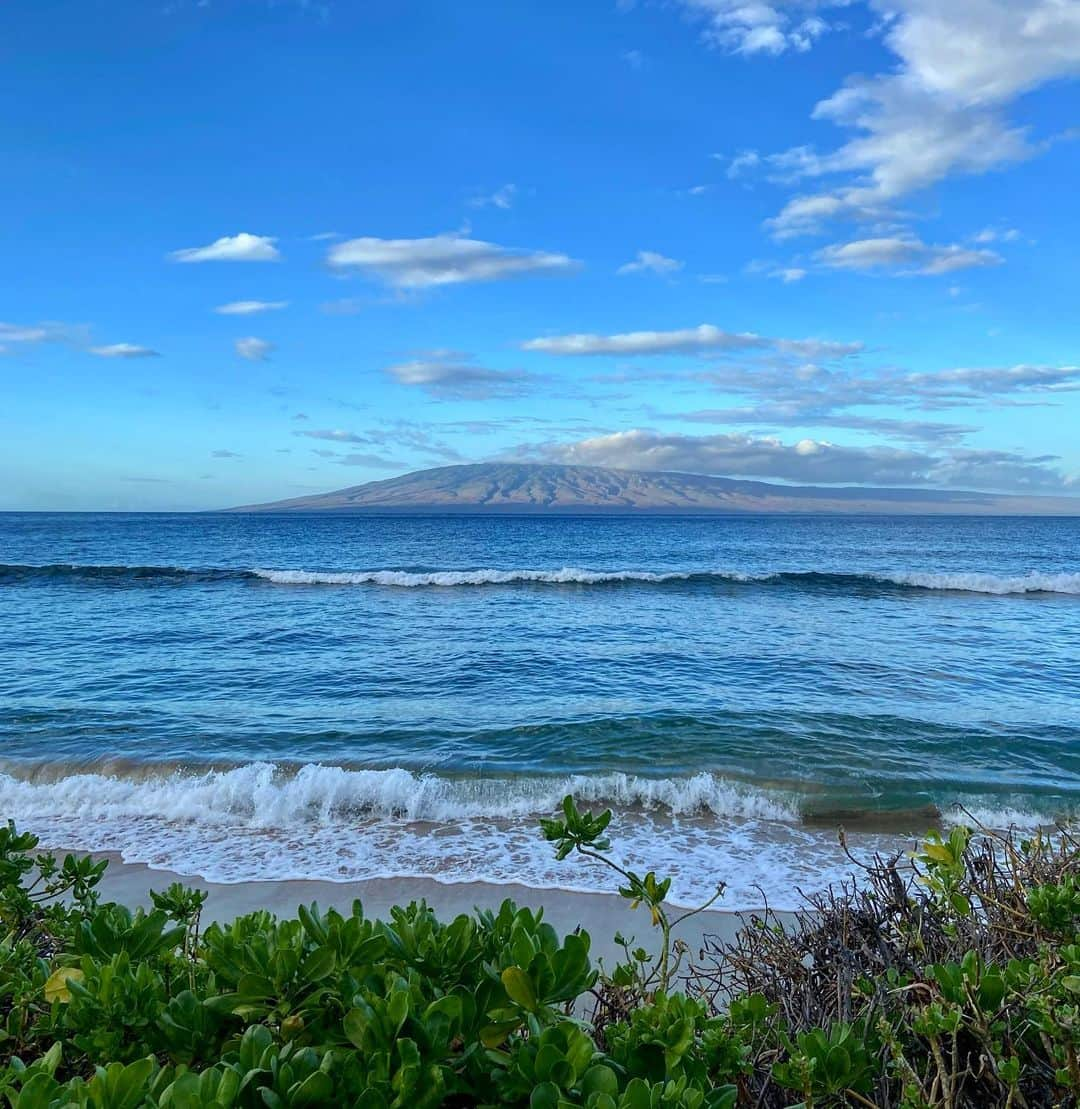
x=268 y=696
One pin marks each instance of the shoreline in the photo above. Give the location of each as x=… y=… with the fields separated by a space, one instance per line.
x=599 y=914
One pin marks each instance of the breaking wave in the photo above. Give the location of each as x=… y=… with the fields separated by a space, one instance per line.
x=267 y=795
x=261 y=821
x=951 y=581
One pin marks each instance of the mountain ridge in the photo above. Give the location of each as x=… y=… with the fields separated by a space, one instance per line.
x=527 y=488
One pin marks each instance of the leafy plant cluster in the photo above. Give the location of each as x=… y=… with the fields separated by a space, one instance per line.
x=952 y=981
x=950 y=978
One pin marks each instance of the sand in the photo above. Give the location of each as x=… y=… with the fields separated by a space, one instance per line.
x=601 y=915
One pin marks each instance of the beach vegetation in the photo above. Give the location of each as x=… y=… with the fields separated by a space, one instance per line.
x=949 y=979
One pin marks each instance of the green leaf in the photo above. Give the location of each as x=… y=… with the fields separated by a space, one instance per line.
x=519 y=988
x=316 y=1089
x=545 y=1096
x=491 y=1035
x=356 y=1026
x=599 y=1079
x=317 y=965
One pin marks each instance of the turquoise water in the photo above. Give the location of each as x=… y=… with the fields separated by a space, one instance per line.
x=253 y=696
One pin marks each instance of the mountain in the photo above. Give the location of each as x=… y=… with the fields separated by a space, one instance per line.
x=537 y=488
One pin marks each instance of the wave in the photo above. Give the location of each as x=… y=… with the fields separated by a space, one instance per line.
x=266 y=794
x=12 y=573
x=263 y=822
x=1033 y=582
x=568 y=575
x=974 y=582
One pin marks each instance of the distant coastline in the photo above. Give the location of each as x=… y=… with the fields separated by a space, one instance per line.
x=539 y=489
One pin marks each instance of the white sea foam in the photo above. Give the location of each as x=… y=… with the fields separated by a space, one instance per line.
x=1000 y=817
x=257 y=822
x=956 y=581
x=971 y=582
x=265 y=795
x=260 y=821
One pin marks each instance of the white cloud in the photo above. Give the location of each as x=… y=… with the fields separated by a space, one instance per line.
x=443 y=260
x=503 y=198
x=812 y=461
x=744 y=160
x=253 y=349
x=18 y=333
x=123 y=350
x=787 y=274
x=250 y=307
x=334 y=435
x=805 y=394
x=232 y=248
x=985 y=51
x=770 y=414
x=760 y=27
x=904 y=254
x=459 y=380
x=940 y=112
x=996 y=235
x=704 y=337
x=651 y=262
x=963 y=385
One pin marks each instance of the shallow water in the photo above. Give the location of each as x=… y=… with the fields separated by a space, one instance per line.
x=253 y=696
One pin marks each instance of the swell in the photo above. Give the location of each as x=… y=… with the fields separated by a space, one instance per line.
x=959 y=581
x=12 y=573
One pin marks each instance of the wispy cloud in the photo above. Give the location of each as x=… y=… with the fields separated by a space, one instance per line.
x=391 y=435
x=231 y=248
x=123 y=350
x=333 y=435
x=369 y=460
x=45 y=332
x=458 y=379
x=250 y=307
x=904 y=254
x=741 y=162
x=809 y=395
x=760 y=27
x=997 y=235
x=648 y=261
x=18 y=333
x=253 y=349
x=503 y=197
x=442 y=260
x=705 y=337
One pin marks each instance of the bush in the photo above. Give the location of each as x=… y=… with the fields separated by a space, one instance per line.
x=952 y=980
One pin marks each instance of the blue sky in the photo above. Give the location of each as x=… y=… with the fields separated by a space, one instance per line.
x=255 y=249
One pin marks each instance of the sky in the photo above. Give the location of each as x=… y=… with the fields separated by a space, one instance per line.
x=255 y=249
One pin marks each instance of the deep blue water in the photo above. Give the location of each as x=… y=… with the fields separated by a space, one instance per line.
x=254 y=696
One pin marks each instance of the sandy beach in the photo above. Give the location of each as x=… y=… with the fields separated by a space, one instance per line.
x=601 y=915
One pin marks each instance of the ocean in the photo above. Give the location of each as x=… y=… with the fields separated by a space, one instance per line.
x=254 y=697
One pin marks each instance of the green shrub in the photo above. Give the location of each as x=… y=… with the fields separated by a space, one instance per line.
x=951 y=981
